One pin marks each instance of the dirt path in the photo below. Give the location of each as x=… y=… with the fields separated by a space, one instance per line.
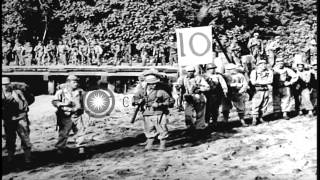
x=279 y=149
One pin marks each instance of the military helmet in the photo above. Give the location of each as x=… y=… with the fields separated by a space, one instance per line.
x=5 y=80
x=72 y=78
x=211 y=66
x=190 y=69
x=151 y=79
x=261 y=61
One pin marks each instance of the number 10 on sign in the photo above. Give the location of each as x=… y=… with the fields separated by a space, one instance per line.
x=194 y=45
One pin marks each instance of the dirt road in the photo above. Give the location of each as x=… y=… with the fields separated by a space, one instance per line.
x=279 y=149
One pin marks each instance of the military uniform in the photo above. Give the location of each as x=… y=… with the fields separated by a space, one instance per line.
x=255 y=46
x=271 y=50
x=195 y=99
x=15 y=115
x=17 y=49
x=63 y=50
x=172 y=52
x=156 y=102
x=283 y=79
x=237 y=96
x=218 y=89
x=97 y=52
x=69 y=113
x=51 y=50
x=84 y=54
x=261 y=78
x=302 y=87
x=314 y=84
x=39 y=53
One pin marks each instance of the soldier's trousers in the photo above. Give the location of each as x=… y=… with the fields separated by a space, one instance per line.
x=67 y=124
x=238 y=101
x=199 y=107
x=283 y=96
x=28 y=60
x=305 y=100
x=314 y=100
x=260 y=102
x=20 y=127
x=212 y=107
x=156 y=125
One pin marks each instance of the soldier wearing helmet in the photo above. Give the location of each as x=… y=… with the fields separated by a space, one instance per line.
x=237 y=88
x=195 y=86
x=68 y=102
x=15 y=118
x=155 y=102
x=218 y=89
x=261 y=78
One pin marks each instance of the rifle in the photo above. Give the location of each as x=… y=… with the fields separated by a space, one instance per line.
x=221 y=46
x=133 y=119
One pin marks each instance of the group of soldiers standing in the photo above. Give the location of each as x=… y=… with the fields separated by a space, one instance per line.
x=205 y=93
x=81 y=52
x=74 y=51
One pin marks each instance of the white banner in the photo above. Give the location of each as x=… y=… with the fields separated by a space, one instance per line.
x=194 y=45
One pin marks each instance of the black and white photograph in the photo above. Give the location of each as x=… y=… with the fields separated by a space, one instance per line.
x=159 y=89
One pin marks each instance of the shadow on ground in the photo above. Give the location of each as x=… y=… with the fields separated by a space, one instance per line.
x=179 y=138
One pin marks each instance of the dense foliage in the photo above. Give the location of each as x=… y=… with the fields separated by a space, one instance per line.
x=155 y=20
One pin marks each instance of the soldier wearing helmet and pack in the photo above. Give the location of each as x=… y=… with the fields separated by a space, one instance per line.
x=261 y=78
x=195 y=86
x=237 y=96
x=68 y=102
x=15 y=117
x=155 y=103
x=218 y=89
x=284 y=78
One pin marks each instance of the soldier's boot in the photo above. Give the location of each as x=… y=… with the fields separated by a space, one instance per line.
x=225 y=116
x=310 y=113
x=254 y=121
x=285 y=116
x=149 y=144
x=27 y=156
x=261 y=120
x=10 y=156
x=243 y=123
x=162 y=146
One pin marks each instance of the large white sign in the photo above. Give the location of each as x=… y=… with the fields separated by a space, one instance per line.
x=194 y=45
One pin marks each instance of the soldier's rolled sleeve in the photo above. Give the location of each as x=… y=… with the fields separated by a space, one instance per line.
x=223 y=84
x=56 y=101
x=244 y=84
x=253 y=77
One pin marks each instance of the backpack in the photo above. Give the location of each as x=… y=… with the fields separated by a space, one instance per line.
x=25 y=89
